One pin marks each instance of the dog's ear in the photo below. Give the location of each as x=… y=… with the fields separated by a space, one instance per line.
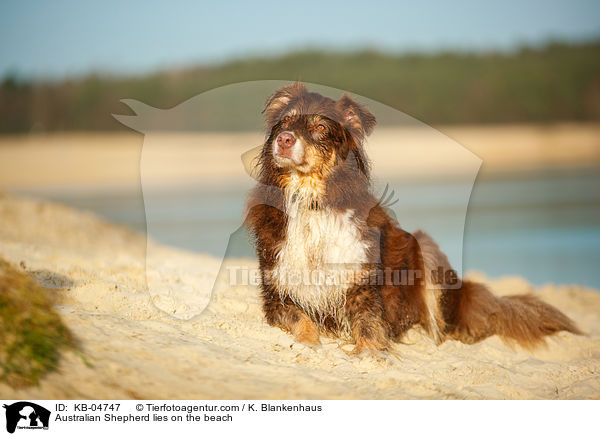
x=355 y=117
x=280 y=99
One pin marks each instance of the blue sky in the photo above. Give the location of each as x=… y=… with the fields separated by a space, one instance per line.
x=67 y=37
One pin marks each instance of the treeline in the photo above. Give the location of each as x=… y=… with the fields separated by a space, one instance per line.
x=557 y=82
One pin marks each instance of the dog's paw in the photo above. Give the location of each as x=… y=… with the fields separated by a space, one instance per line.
x=307 y=333
x=372 y=347
x=310 y=339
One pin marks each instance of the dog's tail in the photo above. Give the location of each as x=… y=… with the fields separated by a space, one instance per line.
x=472 y=313
x=522 y=319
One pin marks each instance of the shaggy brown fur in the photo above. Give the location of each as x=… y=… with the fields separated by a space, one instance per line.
x=330 y=181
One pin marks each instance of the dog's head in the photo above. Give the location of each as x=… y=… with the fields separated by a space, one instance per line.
x=310 y=134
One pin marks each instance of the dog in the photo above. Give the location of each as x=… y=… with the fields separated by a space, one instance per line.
x=334 y=262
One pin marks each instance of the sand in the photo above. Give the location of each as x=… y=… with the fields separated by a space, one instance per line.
x=132 y=349
x=112 y=160
x=137 y=341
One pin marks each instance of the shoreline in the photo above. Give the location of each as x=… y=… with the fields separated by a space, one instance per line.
x=113 y=159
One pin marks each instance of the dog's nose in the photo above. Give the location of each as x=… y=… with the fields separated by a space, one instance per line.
x=285 y=140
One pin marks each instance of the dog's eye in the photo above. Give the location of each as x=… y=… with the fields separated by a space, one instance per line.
x=286 y=119
x=321 y=127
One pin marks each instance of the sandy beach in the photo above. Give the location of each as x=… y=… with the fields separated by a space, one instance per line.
x=112 y=160
x=132 y=349
x=137 y=340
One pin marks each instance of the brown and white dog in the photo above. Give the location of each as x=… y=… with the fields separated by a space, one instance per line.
x=332 y=259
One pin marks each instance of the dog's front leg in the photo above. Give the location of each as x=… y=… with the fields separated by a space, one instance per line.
x=286 y=315
x=364 y=309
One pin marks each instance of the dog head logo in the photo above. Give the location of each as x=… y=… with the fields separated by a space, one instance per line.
x=194 y=185
x=26 y=415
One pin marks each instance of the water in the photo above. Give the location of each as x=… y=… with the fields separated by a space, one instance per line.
x=544 y=226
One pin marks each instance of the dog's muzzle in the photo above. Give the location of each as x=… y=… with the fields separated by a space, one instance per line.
x=285 y=143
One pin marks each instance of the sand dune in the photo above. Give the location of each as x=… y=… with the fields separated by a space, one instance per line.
x=133 y=349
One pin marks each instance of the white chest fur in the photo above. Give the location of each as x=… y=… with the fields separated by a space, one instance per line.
x=320 y=258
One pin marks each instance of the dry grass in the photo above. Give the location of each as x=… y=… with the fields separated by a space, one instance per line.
x=31 y=333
